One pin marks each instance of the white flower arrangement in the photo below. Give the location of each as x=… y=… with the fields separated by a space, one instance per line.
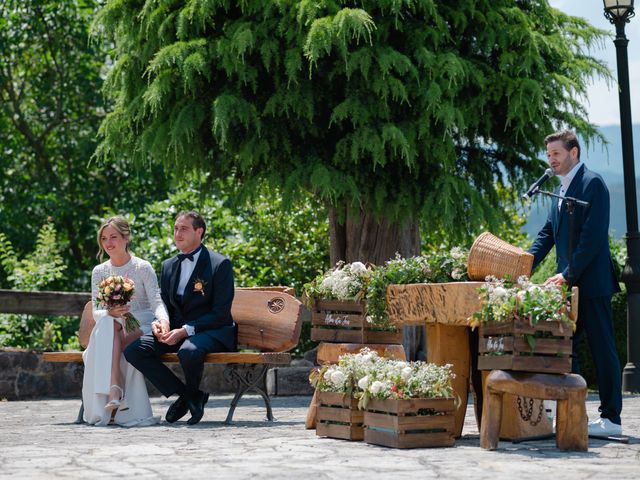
x=396 y=379
x=344 y=377
x=502 y=301
x=366 y=375
x=347 y=281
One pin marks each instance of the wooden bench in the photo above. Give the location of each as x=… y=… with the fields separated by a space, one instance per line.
x=269 y=323
x=569 y=390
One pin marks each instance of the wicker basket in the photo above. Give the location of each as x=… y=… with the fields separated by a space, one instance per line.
x=491 y=256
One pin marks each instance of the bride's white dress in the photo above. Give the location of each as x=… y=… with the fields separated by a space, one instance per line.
x=146 y=305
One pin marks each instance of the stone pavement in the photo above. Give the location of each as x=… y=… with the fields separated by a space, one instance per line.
x=39 y=440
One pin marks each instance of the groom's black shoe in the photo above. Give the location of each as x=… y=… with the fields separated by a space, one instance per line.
x=196 y=405
x=177 y=410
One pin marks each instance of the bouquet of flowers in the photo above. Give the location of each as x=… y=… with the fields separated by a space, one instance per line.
x=502 y=301
x=347 y=281
x=395 y=379
x=117 y=290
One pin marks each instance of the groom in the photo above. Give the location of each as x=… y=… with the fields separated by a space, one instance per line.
x=197 y=288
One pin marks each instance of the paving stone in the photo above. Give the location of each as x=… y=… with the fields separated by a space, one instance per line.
x=38 y=439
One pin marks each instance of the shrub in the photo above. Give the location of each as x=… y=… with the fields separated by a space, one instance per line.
x=36 y=271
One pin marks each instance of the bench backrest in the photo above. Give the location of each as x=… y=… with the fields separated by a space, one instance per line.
x=269 y=319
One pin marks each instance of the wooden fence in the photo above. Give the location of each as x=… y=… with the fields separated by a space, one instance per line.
x=43 y=303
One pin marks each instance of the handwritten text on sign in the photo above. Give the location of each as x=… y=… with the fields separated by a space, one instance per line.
x=340 y=321
x=495 y=344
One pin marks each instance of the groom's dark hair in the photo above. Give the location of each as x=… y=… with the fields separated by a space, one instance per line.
x=196 y=220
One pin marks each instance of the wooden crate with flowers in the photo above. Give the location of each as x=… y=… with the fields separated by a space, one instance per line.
x=339 y=309
x=408 y=405
x=525 y=327
x=337 y=414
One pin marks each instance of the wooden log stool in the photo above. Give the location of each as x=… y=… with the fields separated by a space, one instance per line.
x=570 y=391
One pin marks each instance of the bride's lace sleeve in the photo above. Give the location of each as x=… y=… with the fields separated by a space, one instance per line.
x=97 y=275
x=153 y=292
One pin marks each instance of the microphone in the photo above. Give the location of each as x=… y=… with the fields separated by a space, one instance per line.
x=535 y=186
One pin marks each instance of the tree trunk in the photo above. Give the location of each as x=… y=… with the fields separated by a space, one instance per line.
x=360 y=237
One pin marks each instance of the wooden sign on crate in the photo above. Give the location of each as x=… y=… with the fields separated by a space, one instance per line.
x=504 y=346
x=410 y=423
x=345 y=321
x=338 y=416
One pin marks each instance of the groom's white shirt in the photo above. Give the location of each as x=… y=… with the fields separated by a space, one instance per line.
x=186 y=269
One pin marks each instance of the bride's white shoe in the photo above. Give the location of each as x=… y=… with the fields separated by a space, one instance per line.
x=116 y=402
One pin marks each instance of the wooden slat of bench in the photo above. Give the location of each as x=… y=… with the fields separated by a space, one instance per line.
x=276 y=358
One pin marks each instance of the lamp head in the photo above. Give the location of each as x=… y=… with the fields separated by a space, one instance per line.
x=618 y=10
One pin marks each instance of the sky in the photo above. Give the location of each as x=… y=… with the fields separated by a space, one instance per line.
x=602 y=102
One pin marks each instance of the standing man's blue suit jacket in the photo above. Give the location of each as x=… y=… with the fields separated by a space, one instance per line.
x=592 y=268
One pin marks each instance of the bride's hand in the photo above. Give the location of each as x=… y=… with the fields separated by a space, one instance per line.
x=118 y=311
x=160 y=327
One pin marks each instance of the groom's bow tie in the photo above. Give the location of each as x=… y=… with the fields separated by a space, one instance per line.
x=185 y=256
x=189 y=256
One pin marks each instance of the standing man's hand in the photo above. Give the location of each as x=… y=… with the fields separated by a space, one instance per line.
x=173 y=337
x=557 y=279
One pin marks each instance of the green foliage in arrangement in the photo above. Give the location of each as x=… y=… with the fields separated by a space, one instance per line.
x=32 y=272
x=437 y=266
x=398 y=107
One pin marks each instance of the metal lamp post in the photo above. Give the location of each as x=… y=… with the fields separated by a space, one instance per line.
x=618 y=12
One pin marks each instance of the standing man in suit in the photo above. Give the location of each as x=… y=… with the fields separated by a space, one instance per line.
x=197 y=288
x=586 y=264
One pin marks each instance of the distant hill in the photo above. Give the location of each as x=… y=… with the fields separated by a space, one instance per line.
x=607 y=161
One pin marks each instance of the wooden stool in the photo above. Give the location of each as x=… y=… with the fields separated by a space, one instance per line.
x=569 y=390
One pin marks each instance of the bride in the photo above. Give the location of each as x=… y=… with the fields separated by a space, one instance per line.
x=113 y=391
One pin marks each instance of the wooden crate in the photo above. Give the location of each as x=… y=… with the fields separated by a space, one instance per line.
x=410 y=423
x=503 y=346
x=344 y=321
x=338 y=416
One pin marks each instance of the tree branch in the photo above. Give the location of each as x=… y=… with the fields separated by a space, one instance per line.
x=57 y=120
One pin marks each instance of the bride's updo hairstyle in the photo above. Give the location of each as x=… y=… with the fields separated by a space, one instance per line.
x=120 y=225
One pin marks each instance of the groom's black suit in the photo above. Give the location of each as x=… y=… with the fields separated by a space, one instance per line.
x=208 y=310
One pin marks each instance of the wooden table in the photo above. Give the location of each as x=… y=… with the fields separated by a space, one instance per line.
x=445 y=309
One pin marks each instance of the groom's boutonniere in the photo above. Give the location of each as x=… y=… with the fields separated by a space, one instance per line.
x=198 y=286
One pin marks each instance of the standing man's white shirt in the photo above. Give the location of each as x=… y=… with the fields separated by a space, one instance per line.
x=566 y=181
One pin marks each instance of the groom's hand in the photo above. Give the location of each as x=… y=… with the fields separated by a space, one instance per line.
x=174 y=336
